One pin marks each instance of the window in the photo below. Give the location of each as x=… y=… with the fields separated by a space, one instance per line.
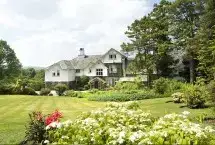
x=112 y=69
x=90 y=70
x=99 y=72
x=112 y=56
x=58 y=73
x=53 y=74
x=77 y=70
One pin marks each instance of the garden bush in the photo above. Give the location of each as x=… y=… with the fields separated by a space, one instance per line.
x=72 y=93
x=178 y=97
x=119 y=125
x=166 y=86
x=195 y=95
x=128 y=96
x=60 y=89
x=211 y=89
x=45 y=91
x=35 y=129
x=28 y=91
x=127 y=86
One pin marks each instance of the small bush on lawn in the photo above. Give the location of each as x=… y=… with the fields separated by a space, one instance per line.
x=119 y=125
x=195 y=96
x=178 y=97
x=168 y=86
x=45 y=91
x=72 y=93
x=60 y=89
x=94 y=91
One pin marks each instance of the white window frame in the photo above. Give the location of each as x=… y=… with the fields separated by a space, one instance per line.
x=112 y=56
x=77 y=71
x=99 y=72
x=58 y=73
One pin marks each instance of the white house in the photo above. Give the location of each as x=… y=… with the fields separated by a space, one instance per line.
x=108 y=68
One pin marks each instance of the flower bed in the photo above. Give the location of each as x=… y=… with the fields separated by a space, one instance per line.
x=126 y=124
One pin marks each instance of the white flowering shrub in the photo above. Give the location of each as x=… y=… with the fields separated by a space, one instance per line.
x=178 y=97
x=117 y=124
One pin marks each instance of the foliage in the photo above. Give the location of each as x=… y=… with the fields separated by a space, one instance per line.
x=28 y=91
x=35 y=130
x=195 y=95
x=211 y=89
x=60 y=89
x=166 y=86
x=160 y=85
x=118 y=124
x=9 y=63
x=45 y=91
x=72 y=93
x=178 y=97
x=127 y=86
x=116 y=96
x=82 y=83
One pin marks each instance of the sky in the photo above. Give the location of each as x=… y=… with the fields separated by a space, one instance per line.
x=43 y=32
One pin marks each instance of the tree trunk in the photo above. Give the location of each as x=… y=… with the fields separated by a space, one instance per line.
x=192 y=70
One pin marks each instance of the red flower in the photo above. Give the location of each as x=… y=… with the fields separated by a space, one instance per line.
x=54 y=117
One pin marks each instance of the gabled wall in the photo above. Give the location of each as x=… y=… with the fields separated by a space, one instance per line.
x=93 y=70
x=118 y=59
x=65 y=75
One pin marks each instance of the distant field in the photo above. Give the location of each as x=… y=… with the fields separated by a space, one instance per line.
x=14 y=111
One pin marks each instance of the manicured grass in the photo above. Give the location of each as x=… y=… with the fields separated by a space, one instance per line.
x=14 y=111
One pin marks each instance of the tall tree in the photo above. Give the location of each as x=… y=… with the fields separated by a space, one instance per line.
x=185 y=19
x=9 y=64
x=206 y=37
x=149 y=38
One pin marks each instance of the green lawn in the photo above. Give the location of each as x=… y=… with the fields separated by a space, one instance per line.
x=14 y=111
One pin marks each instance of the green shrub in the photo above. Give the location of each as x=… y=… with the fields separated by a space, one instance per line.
x=160 y=85
x=211 y=89
x=28 y=91
x=60 y=89
x=122 y=97
x=120 y=125
x=136 y=85
x=6 y=89
x=178 y=97
x=45 y=91
x=36 y=85
x=94 y=91
x=195 y=96
x=35 y=130
x=72 y=93
x=168 y=86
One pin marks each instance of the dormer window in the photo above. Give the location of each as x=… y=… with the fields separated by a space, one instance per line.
x=77 y=70
x=112 y=56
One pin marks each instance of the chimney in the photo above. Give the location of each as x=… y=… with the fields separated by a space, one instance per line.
x=82 y=53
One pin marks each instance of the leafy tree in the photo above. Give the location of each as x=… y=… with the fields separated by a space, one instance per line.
x=9 y=64
x=149 y=38
x=185 y=19
x=206 y=37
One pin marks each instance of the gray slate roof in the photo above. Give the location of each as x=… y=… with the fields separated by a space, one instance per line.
x=84 y=62
x=79 y=62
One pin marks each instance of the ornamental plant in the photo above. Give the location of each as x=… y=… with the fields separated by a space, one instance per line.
x=178 y=97
x=35 y=130
x=119 y=124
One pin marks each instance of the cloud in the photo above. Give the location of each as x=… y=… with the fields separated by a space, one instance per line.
x=45 y=31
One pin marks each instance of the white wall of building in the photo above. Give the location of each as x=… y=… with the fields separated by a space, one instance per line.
x=118 y=59
x=71 y=75
x=64 y=77
x=93 y=70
